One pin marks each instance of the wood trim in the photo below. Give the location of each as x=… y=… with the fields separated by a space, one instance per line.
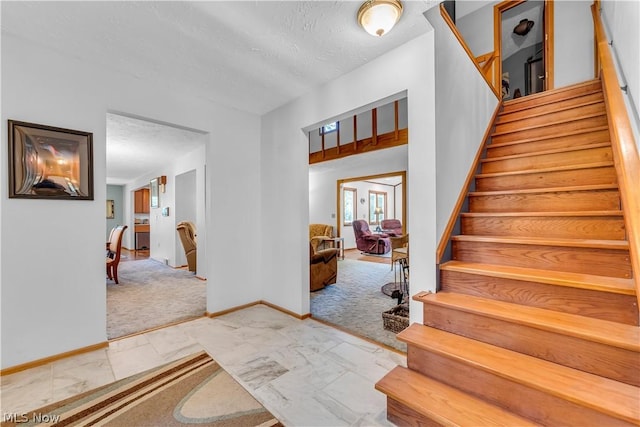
x=457 y=209
x=396 y=112
x=485 y=57
x=549 y=45
x=45 y=360
x=355 y=133
x=374 y=126
x=456 y=33
x=385 y=140
x=285 y=311
x=625 y=151
x=263 y=302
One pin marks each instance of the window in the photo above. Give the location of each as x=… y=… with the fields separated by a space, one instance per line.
x=350 y=208
x=377 y=206
x=328 y=128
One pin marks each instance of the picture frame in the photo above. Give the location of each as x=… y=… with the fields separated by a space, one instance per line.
x=111 y=210
x=47 y=162
x=154 y=193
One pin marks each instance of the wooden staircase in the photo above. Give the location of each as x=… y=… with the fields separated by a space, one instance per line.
x=536 y=317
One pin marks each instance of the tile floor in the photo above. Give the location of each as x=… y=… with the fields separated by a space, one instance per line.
x=304 y=372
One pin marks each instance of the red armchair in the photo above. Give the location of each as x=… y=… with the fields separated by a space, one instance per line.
x=392 y=227
x=368 y=242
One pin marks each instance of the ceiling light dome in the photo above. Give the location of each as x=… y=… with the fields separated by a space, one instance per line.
x=378 y=17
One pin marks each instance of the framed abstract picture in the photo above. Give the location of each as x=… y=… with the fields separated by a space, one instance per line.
x=47 y=162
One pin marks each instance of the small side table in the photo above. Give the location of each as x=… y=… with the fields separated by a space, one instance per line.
x=338 y=243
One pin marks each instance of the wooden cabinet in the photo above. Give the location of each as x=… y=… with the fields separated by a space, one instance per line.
x=141 y=201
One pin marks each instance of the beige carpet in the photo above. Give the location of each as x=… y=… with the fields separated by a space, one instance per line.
x=152 y=294
x=192 y=391
x=355 y=302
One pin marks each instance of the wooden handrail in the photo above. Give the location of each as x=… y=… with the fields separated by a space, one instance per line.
x=448 y=230
x=456 y=33
x=625 y=151
x=480 y=59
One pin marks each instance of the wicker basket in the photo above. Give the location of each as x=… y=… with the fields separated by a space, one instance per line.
x=397 y=319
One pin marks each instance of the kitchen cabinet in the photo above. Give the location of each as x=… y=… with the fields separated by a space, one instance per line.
x=141 y=201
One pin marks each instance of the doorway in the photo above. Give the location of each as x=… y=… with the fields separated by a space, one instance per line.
x=160 y=169
x=523 y=36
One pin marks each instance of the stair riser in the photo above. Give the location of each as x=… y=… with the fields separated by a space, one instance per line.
x=609 y=362
x=584 y=110
x=574 y=140
x=401 y=415
x=584 y=302
x=561 y=201
x=551 y=130
x=546 y=97
x=542 y=161
x=550 y=108
x=596 y=227
x=564 y=178
x=515 y=397
x=599 y=262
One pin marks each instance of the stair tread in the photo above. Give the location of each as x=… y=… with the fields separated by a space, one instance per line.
x=550 y=123
x=544 y=152
x=596 y=330
x=547 y=190
x=607 y=396
x=616 y=285
x=542 y=214
x=548 y=93
x=546 y=241
x=502 y=119
x=549 y=169
x=444 y=404
x=554 y=136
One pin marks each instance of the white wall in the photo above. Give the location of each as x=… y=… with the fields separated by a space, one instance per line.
x=465 y=106
x=285 y=178
x=52 y=273
x=573 y=42
x=622 y=22
x=475 y=24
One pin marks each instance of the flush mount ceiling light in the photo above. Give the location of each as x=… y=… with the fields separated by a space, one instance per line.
x=378 y=17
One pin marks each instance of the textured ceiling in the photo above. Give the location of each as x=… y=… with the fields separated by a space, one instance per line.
x=250 y=55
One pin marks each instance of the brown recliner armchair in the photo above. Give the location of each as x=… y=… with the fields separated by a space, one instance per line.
x=368 y=242
x=187 y=232
x=319 y=234
x=323 y=268
x=392 y=227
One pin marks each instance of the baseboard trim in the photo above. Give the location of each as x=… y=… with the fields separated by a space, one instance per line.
x=55 y=357
x=263 y=302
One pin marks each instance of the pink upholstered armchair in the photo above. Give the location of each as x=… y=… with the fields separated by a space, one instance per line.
x=392 y=227
x=368 y=242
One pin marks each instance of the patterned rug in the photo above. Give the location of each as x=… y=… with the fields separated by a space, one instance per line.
x=192 y=391
x=355 y=302
x=152 y=294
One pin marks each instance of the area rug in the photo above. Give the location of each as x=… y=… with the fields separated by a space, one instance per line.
x=191 y=391
x=355 y=302
x=152 y=294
